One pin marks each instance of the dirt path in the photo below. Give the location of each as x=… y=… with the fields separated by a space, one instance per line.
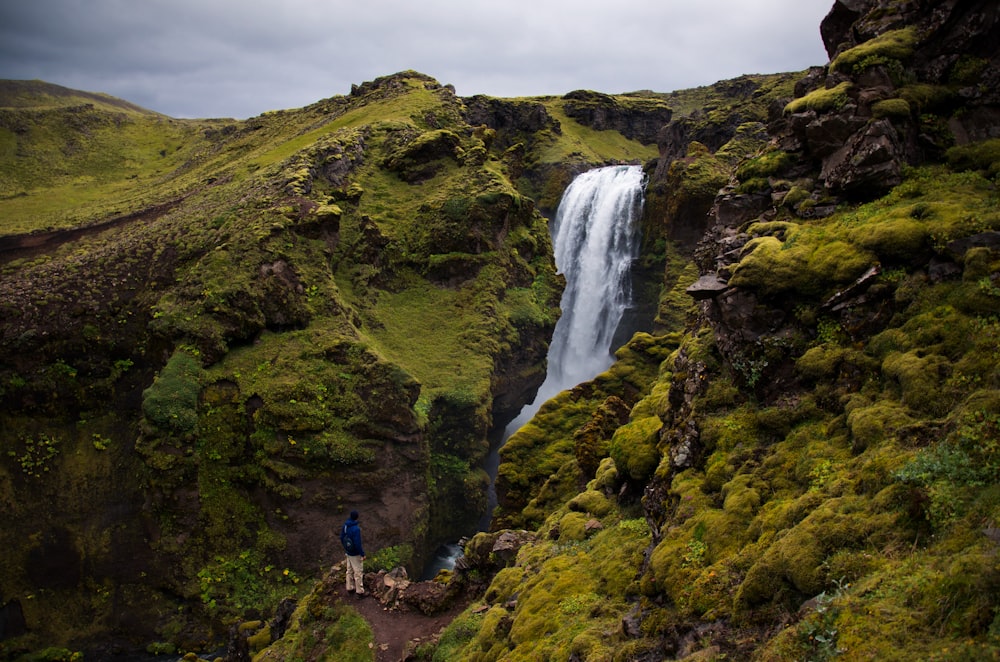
x=398 y=632
x=29 y=245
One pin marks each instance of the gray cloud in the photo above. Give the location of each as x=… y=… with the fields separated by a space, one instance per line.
x=239 y=58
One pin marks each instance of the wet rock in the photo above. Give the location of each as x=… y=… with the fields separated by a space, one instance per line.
x=282 y=617
x=828 y=133
x=509 y=543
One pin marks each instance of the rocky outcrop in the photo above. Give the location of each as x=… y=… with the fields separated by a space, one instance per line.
x=638 y=118
x=897 y=76
x=513 y=120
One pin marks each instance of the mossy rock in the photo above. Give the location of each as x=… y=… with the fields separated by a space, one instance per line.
x=920 y=378
x=766 y=165
x=634 y=448
x=821 y=100
x=740 y=498
x=573 y=526
x=592 y=502
x=771 y=266
x=794 y=566
x=890 y=45
x=419 y=159
x=891 y=109
x=983 y=156
x=876 y=422
x=926 y=98
x=171 y=402
x=606 y=477
x=505 y=584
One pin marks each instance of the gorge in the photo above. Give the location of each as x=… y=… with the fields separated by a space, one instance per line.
x=244 y=330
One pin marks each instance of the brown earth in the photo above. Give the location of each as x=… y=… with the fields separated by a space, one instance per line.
x=400 y=630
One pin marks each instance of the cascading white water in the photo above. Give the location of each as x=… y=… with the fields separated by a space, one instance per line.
x=596 y=239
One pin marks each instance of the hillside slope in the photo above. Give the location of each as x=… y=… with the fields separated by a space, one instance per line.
x=219 y=337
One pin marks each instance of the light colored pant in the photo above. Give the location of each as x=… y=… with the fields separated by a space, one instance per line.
x=355 y=574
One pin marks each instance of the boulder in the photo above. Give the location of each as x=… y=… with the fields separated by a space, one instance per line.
x=868 y=165
x=708 y=286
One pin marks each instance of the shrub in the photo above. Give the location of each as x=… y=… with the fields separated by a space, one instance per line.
x=171 y=402
x=389 y=558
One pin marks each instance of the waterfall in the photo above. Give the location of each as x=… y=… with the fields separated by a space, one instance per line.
x=596 y=239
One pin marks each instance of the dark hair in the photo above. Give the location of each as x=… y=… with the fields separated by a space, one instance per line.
x=354 y=514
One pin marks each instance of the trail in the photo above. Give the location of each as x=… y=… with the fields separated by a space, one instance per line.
x=398 y=632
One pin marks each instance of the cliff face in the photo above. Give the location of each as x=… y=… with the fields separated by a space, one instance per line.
x=812 y=471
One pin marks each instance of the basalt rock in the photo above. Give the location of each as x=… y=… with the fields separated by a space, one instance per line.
x=513 y=120
x=636 y=118
x=905 y=71
x=868 y=165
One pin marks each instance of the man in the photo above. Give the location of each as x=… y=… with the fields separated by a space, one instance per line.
x=350 y=538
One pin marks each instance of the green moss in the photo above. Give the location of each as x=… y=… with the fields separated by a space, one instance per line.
x=891 y=108
x=572 y=527
x=926 y=98
x=634 y=447
x=171 y=402
x=920 y=378
x=872 y=423
x=983 y=156
x=771 y=266
x=795 y=196
x=893 y=44
x=793 y=566
x=592 y=502
x=821 y=100
x=766 y=165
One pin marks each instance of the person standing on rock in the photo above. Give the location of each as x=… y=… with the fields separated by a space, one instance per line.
x=350 y=538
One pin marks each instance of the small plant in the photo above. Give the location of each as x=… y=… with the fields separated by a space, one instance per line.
x=38 y=452
x=696 y=549
x=695 y=555
x=581 y=603
x=818 y=632
x=389 y=558
x=820 y=475
x=987 y=287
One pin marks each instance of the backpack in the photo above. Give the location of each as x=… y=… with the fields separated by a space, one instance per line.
x=346 y=540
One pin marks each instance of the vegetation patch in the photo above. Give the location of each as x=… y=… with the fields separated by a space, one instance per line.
x=890 y=45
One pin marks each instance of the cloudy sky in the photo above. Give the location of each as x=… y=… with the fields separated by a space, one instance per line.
x=239 y=58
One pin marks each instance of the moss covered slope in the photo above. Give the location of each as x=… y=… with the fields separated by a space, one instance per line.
x=219 y=337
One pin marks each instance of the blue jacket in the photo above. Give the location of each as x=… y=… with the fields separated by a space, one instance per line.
x=352 y=532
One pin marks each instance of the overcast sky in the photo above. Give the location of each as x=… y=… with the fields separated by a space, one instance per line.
x=239 y=58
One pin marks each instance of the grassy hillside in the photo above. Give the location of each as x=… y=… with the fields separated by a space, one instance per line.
x=225 y=335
